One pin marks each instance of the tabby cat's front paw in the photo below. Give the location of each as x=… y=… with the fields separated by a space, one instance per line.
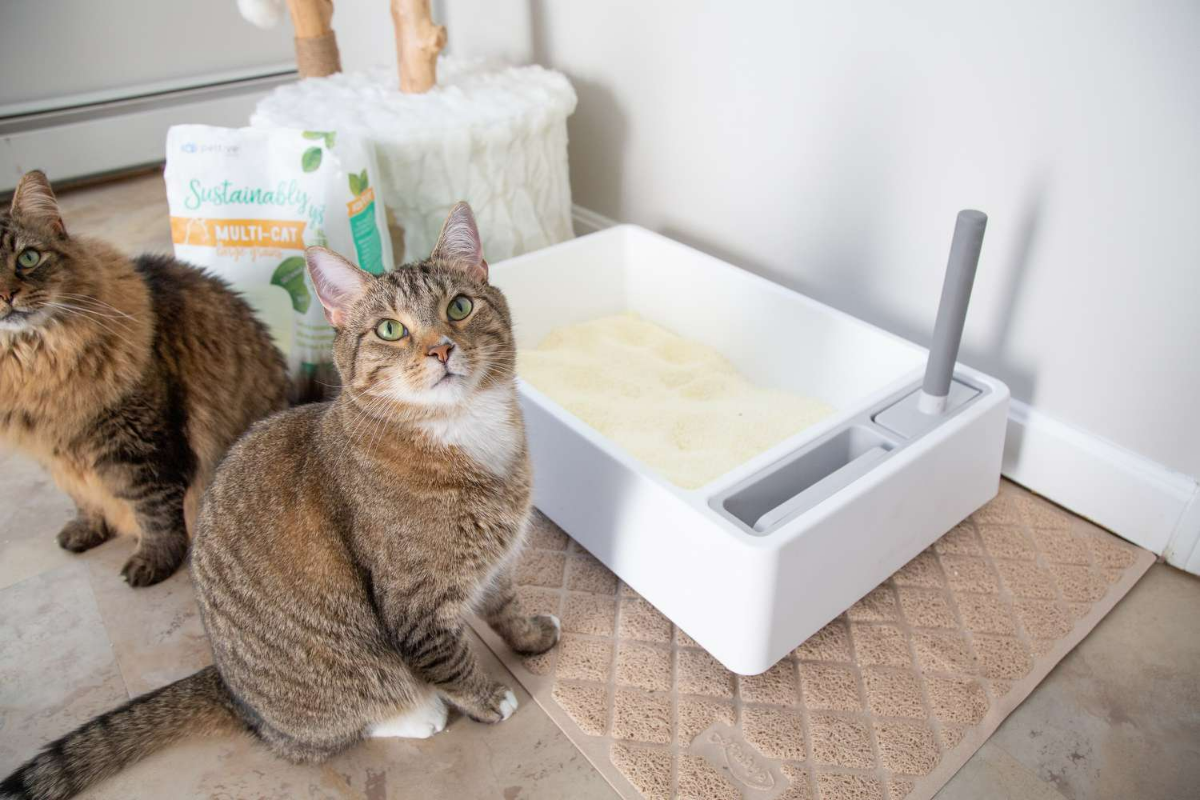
x=542 y=633
x=82 y=534
x=144 y=569
x=498 y=706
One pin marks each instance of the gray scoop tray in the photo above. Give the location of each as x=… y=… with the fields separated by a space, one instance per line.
x=781 y=492
x=807 y=477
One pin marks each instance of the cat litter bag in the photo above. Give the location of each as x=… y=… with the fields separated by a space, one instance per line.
x=245 y=202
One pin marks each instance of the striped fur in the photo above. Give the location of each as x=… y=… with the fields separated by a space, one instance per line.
x=127 y=378
x=196 y=705
x=340 y=544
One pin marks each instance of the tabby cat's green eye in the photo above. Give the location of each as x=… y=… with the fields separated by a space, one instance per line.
x=390 y=330
x=29 y=258
x=459 y=308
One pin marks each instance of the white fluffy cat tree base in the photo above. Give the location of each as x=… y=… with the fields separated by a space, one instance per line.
x=444 y=129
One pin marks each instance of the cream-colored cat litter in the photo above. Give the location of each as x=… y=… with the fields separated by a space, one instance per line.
x=678 y=406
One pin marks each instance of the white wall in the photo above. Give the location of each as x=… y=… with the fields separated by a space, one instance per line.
x=829 y=145
x=56 y=49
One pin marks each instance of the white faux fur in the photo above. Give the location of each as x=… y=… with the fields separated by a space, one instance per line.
x=261 y=13
x=484 y=429
x=502 y=131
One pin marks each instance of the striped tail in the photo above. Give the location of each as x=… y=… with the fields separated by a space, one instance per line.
x=196 y=705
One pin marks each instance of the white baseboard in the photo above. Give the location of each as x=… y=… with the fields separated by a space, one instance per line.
x=116 y=135
x=1132 y=496
x=588 y=221
x=1183 y=550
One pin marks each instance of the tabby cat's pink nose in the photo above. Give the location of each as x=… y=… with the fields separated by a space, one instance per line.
x=441 y=352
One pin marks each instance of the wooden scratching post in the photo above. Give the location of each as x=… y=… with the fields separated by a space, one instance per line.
x=418 y=42
x=418 y=39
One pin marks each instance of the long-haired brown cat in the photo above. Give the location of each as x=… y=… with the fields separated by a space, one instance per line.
x=341 y=543
x=127 y=378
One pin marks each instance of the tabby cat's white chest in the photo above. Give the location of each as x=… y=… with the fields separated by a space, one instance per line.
x=486 y=430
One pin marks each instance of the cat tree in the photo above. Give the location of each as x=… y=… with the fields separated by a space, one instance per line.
x=444 y=129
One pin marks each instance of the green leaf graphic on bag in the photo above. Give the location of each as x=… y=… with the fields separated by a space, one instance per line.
x=248 y=220
x=311 y=159
x=329 y=136
x=356 y=187
x=290 y=276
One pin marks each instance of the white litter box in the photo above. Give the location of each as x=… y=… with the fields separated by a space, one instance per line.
x=753 y=563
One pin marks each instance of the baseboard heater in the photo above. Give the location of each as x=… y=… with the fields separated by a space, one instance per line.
x=91 y=135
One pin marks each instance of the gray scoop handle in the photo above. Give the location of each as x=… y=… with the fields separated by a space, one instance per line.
x=952 y=310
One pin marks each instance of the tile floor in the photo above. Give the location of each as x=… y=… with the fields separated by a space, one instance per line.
x=1118 y=718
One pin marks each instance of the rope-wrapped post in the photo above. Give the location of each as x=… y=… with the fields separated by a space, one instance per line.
x=418 y=42
x=316 y=43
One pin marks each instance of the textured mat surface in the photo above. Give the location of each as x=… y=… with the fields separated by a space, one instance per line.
x=885 y=702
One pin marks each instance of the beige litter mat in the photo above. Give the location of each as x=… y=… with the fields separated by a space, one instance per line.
x=888 y=701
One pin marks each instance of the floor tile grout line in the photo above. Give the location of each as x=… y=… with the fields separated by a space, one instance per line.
x=46 y=571
x=107 y=632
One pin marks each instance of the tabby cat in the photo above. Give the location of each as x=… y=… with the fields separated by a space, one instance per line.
x=127 y=378
x=341 y=543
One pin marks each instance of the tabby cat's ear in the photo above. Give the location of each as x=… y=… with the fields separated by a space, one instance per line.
x=459 y=246
x=34 y=202
x=339 y=283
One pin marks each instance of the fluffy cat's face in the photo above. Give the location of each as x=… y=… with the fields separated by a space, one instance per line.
x=37 y=282
x=424 y=336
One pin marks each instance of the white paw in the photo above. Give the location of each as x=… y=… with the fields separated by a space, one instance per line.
x=418 y=723
x=440 y=714
x=557 y=626
x=508 y=705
